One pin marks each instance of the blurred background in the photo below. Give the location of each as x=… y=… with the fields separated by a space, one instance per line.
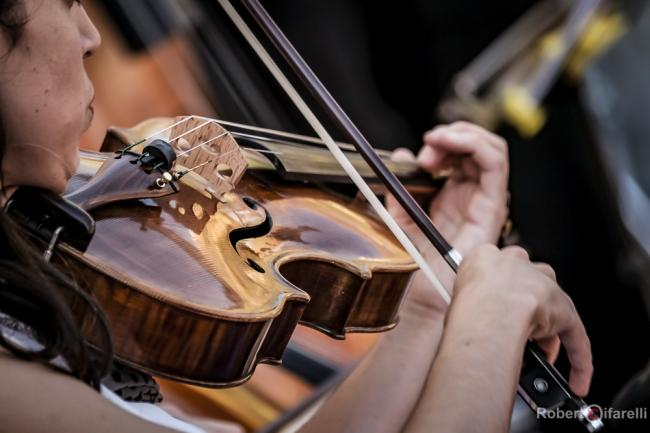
x=566 y=82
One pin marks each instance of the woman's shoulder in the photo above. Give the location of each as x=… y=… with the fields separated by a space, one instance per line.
x=38 y=399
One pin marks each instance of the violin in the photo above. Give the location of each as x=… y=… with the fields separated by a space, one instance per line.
x=144 y=174
x=208 y=250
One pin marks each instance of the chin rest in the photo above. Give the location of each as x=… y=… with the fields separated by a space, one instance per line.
x=48 y=215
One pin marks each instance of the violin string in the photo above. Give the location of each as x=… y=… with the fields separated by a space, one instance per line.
x=143 y=140
x=187 y=119
x=189 y=131
x=202 y=144
x=130 y=146
x=320 y=130
x=221 y=135
x=180 y=174
x=273 y=152
x=284 y=136
x=255 y=149
x=196 y=167
x=173 y=125
x=234 y=133
x=184 y=120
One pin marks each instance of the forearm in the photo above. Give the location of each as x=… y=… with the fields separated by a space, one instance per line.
x=473 y=380
x=381 y=393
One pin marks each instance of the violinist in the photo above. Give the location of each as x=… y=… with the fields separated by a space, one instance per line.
x=442 y=369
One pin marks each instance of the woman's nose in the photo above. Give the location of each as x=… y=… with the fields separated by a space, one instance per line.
x=92 y=38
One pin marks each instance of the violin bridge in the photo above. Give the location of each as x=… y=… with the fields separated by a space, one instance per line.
x=205 y=147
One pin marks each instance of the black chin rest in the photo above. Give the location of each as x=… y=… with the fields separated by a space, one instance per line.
x=42 y=212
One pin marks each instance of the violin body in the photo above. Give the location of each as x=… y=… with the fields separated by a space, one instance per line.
x=200 y=288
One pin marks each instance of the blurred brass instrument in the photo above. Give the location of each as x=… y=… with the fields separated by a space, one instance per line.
x=510 y=79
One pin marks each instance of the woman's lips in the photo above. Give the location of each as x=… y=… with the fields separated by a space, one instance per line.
x=91 y=115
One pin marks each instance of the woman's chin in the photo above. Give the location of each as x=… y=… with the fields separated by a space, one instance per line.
x=71 y=166
x=58 y=185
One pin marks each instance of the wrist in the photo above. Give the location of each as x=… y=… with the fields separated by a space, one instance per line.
x=471 y=235
x=423 y=299
x=477 y=311
x=419 y=326
x=425 y=314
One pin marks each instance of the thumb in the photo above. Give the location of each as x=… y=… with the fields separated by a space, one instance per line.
x=402 y=154
x=550 y=346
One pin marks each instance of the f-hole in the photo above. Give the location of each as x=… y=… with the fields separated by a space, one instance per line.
x=257 y=231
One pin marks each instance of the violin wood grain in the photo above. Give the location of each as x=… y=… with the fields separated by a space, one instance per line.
x=201 y=289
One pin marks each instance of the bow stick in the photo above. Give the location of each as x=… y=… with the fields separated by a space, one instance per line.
x=537 y=370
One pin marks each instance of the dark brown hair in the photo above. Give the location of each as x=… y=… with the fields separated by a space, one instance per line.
x=33 y=292
x=13 y=18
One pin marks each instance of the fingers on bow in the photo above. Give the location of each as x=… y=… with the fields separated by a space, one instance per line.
x=443 y=143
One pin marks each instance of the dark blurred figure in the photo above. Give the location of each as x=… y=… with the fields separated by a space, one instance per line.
x=389 y=64
x=616 y=92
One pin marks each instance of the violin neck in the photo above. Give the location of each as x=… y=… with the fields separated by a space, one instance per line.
x=302 y=158
x=309 y=163
x=297 y=157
